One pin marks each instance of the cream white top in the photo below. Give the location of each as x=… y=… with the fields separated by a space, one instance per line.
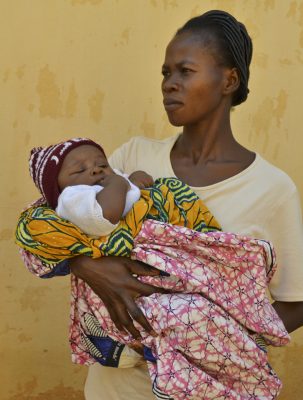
x=261 y=201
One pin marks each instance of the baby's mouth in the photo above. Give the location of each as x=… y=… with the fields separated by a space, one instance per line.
x=99 y=181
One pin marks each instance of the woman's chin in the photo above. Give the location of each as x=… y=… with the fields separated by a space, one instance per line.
x=175 y=121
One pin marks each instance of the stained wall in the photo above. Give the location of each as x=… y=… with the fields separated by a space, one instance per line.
x=92 y=67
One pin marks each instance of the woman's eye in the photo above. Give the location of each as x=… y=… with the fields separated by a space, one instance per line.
x=165 y=73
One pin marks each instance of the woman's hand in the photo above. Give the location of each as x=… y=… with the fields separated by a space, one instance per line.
x=111 y=278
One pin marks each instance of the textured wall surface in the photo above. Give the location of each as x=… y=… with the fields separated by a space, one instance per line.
x=92 y=67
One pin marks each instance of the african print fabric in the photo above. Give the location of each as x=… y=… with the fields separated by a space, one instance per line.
x=43 y=233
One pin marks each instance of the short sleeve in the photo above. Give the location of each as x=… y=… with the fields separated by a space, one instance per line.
x=124 y=157
x=285 y=231
x=116 y=160
x=78 y=205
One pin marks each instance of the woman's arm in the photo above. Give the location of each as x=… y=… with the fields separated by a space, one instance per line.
x=284 y=229
x=291 y=314
x=111 y=278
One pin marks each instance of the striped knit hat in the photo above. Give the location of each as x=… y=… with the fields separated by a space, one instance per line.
x=45 y=164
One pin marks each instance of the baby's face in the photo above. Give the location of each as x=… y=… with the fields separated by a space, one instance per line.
x=84 y=165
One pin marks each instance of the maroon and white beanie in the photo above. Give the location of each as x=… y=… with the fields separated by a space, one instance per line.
x=45 y=164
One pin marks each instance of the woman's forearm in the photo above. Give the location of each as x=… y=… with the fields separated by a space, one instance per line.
x=291 y=314
x=111 y=278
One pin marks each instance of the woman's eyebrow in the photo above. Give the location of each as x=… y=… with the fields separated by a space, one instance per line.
x=186 y=61
x=181 y=63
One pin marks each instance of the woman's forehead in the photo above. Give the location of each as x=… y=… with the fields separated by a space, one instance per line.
x=186 y=42
x=186 y=47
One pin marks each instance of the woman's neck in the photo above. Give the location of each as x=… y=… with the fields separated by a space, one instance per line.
x=207 y=154
x=208 y=142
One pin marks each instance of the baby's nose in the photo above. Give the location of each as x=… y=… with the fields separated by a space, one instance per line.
x=96 y=169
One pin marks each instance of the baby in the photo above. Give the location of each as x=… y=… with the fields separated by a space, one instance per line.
x=78 y=182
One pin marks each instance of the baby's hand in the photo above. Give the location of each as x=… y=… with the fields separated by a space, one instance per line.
x=113 y=179
x=141 y=179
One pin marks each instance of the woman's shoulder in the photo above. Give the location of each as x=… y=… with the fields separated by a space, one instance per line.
x=137 y=142
x=270 y=178
x=273 y=176
x=140 y=151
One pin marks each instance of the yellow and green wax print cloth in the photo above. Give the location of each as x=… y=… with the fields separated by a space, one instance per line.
x=52 y=239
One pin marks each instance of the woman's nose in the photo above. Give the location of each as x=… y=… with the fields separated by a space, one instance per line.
x=170 y=84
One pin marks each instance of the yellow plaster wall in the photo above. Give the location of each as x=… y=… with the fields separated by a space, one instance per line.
x=92 y=67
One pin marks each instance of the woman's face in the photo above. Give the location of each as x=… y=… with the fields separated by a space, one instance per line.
x=192 y=83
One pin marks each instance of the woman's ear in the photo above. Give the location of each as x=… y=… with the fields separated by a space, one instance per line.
x=232 y=81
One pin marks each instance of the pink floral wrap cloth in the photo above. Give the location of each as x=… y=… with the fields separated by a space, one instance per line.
x=210 y=335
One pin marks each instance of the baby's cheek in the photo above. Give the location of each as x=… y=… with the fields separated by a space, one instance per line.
x=109 y=171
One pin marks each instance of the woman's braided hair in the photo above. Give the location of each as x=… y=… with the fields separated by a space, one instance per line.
x=228 y=40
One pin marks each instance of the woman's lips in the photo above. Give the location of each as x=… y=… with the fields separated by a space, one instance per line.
x=171 y=104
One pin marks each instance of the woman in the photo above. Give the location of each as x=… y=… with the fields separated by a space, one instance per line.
x=205 y=73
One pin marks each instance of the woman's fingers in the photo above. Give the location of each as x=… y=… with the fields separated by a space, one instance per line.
x=122 y=318
x=124 y=311
x=140 y=268
x=144 y=289
x=115 y=318
x=129 y=326
x=112 y=280
x=139 y=317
